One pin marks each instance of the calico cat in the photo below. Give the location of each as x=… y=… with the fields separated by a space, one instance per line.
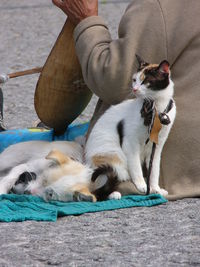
x=118 y=145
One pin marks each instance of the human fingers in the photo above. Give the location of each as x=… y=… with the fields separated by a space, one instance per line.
x=58 y=3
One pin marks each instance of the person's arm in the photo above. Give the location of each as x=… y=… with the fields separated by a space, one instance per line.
x=107 y=64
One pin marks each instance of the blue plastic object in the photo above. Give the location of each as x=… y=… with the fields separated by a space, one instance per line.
x=11 y=137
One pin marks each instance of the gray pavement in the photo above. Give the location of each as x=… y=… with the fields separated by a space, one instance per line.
x=166 y=235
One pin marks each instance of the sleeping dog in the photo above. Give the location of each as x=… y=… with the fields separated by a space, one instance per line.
x=51 y=170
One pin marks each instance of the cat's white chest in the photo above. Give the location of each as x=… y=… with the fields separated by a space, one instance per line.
x=145 y=151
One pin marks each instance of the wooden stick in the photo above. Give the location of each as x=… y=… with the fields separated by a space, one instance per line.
x=25 y=72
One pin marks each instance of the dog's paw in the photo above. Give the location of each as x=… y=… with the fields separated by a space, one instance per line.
x=78 y=196
x=49 y=194
x=115 y=195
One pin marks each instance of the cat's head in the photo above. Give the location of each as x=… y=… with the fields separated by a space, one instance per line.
x=152 y=80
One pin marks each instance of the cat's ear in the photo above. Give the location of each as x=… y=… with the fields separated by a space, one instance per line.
x=141 y=62
x=164 y=67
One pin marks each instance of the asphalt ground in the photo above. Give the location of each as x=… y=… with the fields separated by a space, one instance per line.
x=166 y=235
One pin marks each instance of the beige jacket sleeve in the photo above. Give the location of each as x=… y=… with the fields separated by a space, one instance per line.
x=107 y=64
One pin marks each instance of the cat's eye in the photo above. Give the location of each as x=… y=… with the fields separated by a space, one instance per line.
x=134 y=80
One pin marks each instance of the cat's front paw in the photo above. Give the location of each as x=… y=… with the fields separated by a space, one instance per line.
x=158 y=190
x=115 y=195
x=141 y=186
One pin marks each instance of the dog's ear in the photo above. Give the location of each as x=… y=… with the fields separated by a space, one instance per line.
x=58 y=157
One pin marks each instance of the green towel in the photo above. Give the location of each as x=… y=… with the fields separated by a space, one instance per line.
x=18 y=208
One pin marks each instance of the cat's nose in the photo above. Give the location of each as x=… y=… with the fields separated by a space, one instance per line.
x=135 y=89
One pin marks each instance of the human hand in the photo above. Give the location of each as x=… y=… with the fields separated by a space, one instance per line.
x=78 y=10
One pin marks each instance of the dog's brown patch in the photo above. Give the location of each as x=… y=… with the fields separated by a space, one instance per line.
x=73 y=168
x=58 y=157
x=66 y=166
x=81 y=188
x=99 y=160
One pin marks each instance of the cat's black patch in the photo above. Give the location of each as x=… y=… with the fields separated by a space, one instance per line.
x=103 y=192
x=120 y=130
x=147 y=111
x=156 y=79
x=144 y=169
x=150 y=168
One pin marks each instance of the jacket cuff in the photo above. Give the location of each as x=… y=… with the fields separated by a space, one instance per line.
x=88 y=23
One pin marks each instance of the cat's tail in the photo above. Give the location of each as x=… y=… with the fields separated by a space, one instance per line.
x=104 y=182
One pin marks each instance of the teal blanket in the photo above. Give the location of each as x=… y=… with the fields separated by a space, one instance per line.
x=18 y=208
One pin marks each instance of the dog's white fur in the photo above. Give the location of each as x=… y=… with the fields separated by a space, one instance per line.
x=58 y=176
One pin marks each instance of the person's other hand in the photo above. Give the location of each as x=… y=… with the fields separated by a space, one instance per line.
x=78 y=10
